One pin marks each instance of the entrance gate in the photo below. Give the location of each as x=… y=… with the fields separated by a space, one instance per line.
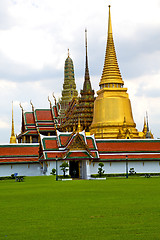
x=74 y=169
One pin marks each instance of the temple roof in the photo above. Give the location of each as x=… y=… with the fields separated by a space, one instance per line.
x=68 y=146
x=40 y=120
x=19 y=153
x=128 y=145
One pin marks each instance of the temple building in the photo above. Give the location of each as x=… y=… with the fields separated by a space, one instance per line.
x=39 y=121
x=84 y=130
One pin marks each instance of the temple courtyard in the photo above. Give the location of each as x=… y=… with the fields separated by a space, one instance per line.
x=115 y=208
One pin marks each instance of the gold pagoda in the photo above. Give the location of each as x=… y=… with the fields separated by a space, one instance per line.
x=112 y=117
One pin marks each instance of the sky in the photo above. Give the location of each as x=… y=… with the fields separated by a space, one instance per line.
x=35 y=36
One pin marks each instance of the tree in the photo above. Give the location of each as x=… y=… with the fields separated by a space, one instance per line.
x=53 y=171
x=100 y=169
x=64 y=167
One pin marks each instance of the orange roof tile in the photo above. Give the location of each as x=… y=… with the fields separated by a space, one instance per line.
x=130 y=157
x=128 y=146
x=29 y=118
x=50 y=144
x=18 y=150
x=43 y=115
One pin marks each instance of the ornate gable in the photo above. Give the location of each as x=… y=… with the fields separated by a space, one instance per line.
x=77 y=145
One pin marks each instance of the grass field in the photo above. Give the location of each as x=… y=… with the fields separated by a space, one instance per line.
x=41 y=208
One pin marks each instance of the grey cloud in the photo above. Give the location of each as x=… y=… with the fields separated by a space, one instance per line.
x=140 y=55
x=12 y=71
x=149 y=92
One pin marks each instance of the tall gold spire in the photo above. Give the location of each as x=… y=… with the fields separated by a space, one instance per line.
x=111 y=73
x=112 y=117
x=12 y=138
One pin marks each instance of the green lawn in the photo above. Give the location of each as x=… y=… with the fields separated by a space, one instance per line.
x=118 y=208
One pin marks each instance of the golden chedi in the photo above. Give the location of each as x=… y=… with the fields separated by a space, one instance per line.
x=112 y=116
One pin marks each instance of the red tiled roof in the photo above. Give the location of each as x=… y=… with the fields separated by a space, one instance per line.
x=53 y=155
x=128 y=146
x=90 y=143
x=43 y=115
x=78 y=155
x=18 y=160
x=18 y=150
x=46 y=129
x=50 y=144
x=29 y=118
x=64 y=139
x=130 y=157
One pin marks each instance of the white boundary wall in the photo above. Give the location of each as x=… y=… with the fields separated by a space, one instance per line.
x=29 y=169
x=120 y=167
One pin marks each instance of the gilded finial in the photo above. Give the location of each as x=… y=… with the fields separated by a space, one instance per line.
x=32 y=105
x=55 y=101
x=21 y=106
x=50 y=102
x=12 y=138
x=109 y=21
x=68 y=52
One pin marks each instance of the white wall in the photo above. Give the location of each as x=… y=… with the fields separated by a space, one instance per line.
x=33 y=169
x=120 y=167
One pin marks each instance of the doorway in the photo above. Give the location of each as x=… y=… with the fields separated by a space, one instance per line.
x=74 y=169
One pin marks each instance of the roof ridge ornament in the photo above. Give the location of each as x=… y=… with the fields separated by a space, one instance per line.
x=32 y=105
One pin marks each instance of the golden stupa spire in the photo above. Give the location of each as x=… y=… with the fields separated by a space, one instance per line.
x=12 y=138
x=111 y=75
x=112 y=116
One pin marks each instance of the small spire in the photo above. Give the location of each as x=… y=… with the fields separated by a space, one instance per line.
x=147 y=122
x=12 y=138
x=109 y=22
x=68 y=52
x=87 y=83
x=145 y=127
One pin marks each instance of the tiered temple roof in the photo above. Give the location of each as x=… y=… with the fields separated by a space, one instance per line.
x=44 y=121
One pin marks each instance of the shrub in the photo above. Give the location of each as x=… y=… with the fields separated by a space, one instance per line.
x=53 y=171
x=64 y=167
x=100 y=169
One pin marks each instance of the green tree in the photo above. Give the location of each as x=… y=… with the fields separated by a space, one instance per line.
x=64 y=167
x=100 y=169
x=53 y=171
